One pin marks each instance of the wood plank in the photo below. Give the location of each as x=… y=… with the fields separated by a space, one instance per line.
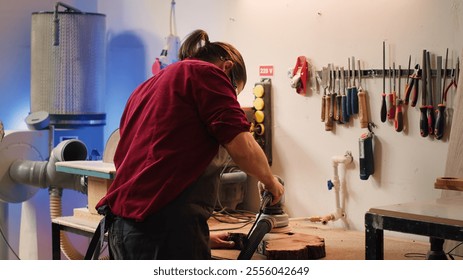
x=454 y=165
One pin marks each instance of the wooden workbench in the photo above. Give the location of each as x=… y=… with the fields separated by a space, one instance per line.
x=438 y=219
x=340 y=244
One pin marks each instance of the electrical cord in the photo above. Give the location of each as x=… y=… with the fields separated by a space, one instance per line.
x=449 y=253
x=423 y=256
x=8 y=244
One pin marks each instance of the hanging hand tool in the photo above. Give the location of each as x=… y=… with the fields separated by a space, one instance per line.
x=383 y=102
x=332 y=92
x=345 y=116
x=399 y=117
x=423 y=119
x=362 y=100
x=440 y=119
x=354 y=99
x=328 y=116
x=349 y=91
x=415 y=78
x=342 y=91
x=338 y=115
x=334 y=97
x=408 y=88
x=430 y=107
x=325 y=78
x=440 y=122
x=392 y=96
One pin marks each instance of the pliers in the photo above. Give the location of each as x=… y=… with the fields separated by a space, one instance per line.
x=413 y=86
x=453 y=81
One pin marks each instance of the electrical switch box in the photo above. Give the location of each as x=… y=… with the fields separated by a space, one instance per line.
x=261 y=124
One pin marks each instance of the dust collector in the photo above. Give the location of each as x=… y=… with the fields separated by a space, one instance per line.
x=68 y=66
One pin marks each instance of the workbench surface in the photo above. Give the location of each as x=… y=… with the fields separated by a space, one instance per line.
x=340 y=244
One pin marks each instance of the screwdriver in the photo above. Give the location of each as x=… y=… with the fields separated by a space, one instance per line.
x=423 y=119
x=399 y=118
x=354 y=99
x=383 y=102
x=431 y=117
x=391 y=97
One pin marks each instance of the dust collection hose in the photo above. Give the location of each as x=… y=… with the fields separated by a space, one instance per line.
x=268 y=218
x=263 y=227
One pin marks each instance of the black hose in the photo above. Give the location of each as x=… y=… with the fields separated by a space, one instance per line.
x=263 y=227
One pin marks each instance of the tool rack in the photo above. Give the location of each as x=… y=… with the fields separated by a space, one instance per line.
x=378 y=73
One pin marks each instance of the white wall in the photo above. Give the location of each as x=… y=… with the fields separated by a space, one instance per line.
x=272 y=32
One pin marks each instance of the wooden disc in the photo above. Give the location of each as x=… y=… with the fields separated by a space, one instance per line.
x=296 y=246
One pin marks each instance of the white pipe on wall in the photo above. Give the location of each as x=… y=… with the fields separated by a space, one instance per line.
x=337 y=186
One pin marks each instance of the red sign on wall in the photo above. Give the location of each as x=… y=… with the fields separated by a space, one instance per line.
x=266 y=70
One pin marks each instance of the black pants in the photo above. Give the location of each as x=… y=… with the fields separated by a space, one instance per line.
x=183 y=234
x=179 y=230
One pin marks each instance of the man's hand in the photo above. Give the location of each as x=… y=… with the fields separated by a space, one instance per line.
x=220 y=241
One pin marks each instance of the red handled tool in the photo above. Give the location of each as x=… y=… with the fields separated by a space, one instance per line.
x=440 y=118
x=408 y=88
x=399 y=117
x=391 y=96
x=383 y=101
x=430 y=107
x=413 y=87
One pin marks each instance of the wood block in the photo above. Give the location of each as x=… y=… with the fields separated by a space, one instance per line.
x=449 y=183
x=97 y=188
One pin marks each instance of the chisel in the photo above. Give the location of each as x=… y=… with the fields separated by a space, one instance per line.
x=345 y=116
x=354 y=99
x=399 y=117
x=325 y=78
x=362 y=100
x=423 y=119
x=328 y=113
x=349 y=91
x=333 y=95
x=440 y=119
x=383 y=102
x=338 y=112
x=431 y=117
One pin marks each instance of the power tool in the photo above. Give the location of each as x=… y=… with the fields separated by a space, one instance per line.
x=270 y=217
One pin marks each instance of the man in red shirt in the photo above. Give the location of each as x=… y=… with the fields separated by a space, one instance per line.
x=177 y=131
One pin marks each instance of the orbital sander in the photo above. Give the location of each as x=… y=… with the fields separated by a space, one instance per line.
x=270 y=219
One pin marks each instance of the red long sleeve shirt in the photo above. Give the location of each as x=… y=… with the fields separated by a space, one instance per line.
x=171 y=129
